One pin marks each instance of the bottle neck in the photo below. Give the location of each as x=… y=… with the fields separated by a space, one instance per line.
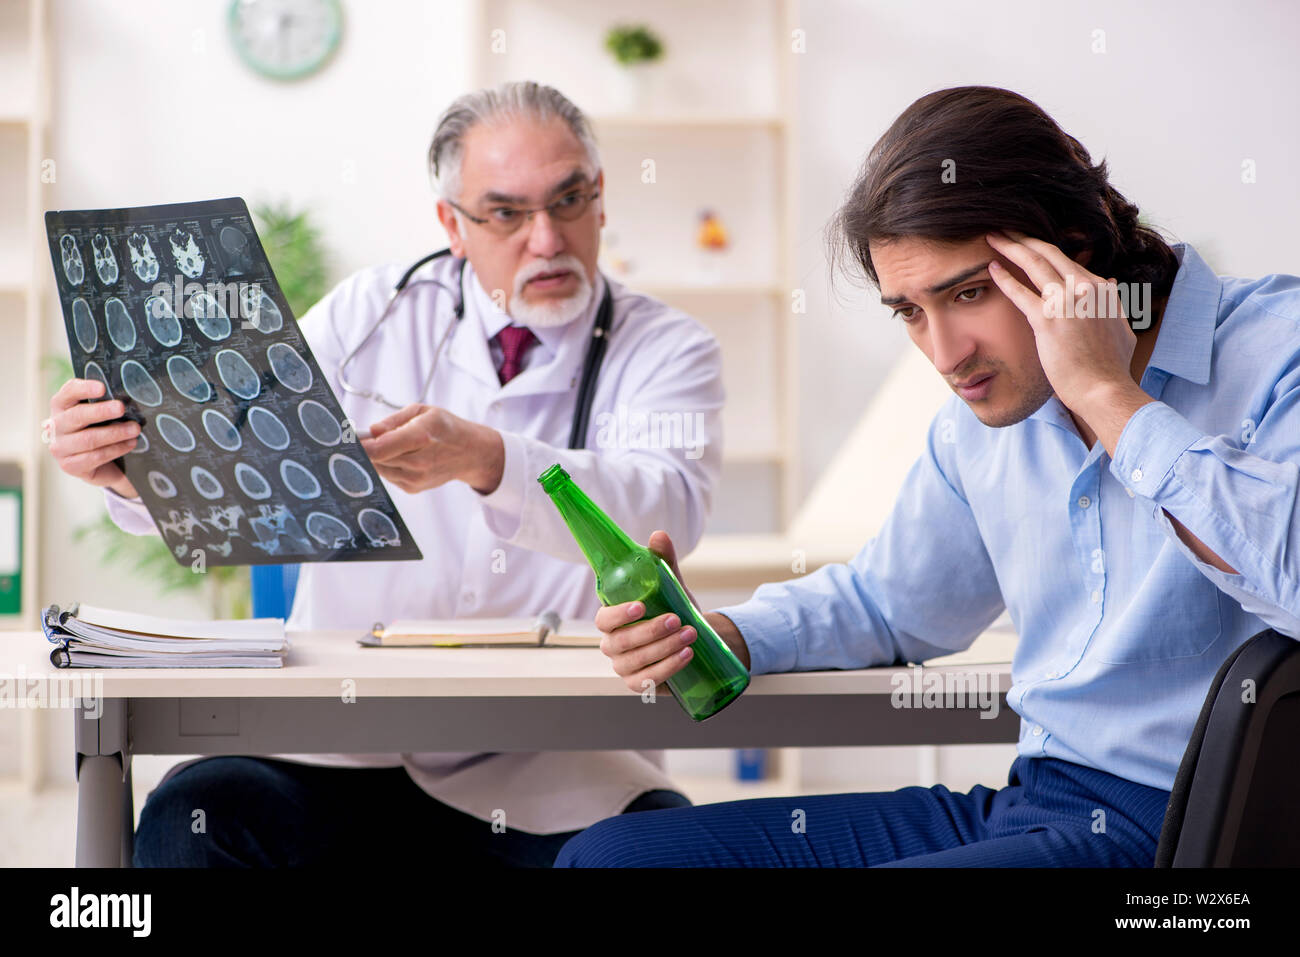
x=600 y=539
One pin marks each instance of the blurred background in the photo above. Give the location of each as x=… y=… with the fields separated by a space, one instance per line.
x=729 y=131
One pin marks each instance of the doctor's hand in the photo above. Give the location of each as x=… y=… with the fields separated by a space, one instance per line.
x=423 y=446
x=657 y=648
x=81 y=442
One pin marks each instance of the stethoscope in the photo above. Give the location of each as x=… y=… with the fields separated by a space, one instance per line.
x=590 y=369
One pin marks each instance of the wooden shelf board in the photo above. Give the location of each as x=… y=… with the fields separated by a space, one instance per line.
x=652 y=121
x=660 y=288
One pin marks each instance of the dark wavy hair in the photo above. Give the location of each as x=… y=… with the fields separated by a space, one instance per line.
x=1014 y=169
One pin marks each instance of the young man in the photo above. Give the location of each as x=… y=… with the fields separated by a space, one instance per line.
x=520 y=181
x=1120 y=472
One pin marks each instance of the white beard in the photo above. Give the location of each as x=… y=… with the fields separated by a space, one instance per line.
x=552 y=312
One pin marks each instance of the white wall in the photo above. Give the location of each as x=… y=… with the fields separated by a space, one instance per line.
x=1183 y=93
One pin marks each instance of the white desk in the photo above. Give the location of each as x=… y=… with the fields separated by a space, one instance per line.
x=464 y=699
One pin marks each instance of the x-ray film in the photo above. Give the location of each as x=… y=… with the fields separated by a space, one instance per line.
x=244 y=455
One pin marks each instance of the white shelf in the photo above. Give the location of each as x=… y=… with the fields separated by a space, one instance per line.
x=24 y=80
x=664 y=289
x=15 y=273
x=652 y=121
x=753 y=456
x=718 y=117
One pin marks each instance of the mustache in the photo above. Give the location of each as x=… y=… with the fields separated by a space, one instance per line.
x=535 y=269
x=973 y=371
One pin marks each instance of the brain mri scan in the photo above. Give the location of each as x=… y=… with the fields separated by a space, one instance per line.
x=237 y=251
x=105 y=261
x=244 y=453
x=83 y=326
x=139 y=384
x=252 y=482
x=268 y=428
x=119 y=325
x=319 y=423
x=221 y=431
x=189 y=381
x=260 y=310
x=143 y=261
x=186 y=253
x=73 y=268
x=209 y=316
x=162 y=322
x=237 y=375
x=328 y=530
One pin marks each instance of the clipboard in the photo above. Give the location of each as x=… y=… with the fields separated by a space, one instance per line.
x=546 y=631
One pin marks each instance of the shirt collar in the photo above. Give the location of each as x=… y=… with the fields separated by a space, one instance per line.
x=1185 y=341
x=493 y=319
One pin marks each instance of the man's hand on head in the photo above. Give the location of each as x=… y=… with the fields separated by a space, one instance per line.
x=423 y=446
x=1084 y=340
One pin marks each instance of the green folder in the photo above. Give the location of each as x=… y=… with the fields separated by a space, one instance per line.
x=11 y=539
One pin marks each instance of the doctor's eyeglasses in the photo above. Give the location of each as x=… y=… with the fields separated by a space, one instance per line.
x=503 y=219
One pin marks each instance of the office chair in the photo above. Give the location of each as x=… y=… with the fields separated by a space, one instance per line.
x=1234 y=799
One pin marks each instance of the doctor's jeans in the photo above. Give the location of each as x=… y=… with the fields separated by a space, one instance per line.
x=262 y=812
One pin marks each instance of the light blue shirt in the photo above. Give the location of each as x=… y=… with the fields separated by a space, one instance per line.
x=1121 y=627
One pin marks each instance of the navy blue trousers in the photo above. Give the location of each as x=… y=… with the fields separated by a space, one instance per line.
x=260 y=812
x=1051 y=814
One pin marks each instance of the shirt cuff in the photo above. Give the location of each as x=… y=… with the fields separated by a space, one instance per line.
x=122 y=498
x=129 y=514
x=507 y=499
x=1153 y=439
x=768 y=634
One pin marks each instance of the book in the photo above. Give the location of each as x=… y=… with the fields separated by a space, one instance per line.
x=86 y=636
x=547 y=631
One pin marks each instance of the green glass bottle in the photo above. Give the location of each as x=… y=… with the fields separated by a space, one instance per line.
x=626 y=571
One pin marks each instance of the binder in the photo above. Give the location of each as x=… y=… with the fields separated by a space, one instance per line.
x=89 y=637
x=11 y=539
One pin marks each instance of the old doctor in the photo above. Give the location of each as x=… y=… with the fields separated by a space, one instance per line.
x=483 y=353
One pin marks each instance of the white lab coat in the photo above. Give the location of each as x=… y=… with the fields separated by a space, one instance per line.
x=509 y=553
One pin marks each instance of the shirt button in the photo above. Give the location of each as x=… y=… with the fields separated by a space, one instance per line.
x=1130 y=492
x=1137 y=475
x=1038 y=729
x=1096 y=596
x=467 y=596
x=1084 y=501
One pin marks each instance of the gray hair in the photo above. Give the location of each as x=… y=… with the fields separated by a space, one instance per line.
x=517 y=99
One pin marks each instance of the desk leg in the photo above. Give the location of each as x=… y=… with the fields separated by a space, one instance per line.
x=103 y=784
x=128 y=817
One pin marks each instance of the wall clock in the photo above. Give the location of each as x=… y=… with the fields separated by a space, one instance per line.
x=285 y=39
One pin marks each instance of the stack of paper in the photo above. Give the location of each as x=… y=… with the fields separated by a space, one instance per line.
x=89 y=637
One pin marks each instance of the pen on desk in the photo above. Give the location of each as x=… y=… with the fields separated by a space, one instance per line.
x=548 y=622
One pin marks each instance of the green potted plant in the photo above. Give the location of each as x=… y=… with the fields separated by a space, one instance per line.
x=634 y=48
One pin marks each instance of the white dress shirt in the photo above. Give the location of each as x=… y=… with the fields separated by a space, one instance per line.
x=509 y=553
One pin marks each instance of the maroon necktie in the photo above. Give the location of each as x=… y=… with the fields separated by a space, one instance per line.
x=515 y=341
